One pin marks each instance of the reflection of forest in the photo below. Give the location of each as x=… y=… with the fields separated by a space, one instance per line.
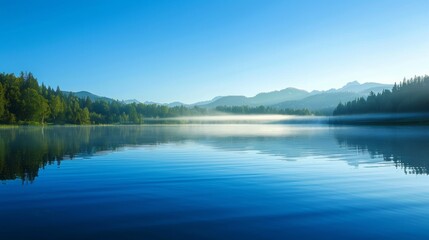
x=407 y=147
x=24 y=150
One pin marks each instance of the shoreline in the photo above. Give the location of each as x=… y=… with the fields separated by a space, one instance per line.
x=379 y=119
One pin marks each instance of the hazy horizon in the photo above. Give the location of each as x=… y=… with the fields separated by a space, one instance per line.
x=210 y=97
x=162 y=51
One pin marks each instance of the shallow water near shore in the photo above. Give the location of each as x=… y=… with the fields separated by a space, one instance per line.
x=228 y=181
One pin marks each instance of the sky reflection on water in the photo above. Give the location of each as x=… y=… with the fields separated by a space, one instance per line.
x=214 y=181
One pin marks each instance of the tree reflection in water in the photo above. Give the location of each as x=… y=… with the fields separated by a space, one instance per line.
x=24 y=150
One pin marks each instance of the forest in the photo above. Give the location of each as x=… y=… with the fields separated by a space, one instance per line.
x=24 y=101
x=409 y=96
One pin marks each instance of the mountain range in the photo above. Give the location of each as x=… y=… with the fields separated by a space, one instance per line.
x=292 y=98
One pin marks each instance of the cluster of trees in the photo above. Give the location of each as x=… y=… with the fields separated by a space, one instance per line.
x=411 y=95
x=261 y=110
x=23 y=100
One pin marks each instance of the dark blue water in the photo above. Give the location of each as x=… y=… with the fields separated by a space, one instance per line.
x=214 y=182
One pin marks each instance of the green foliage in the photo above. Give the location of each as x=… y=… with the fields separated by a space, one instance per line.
x=409 y=96
x=57 y=107
x=35 y=108
x=23 y=100
x=84 y=116
x=2 y=101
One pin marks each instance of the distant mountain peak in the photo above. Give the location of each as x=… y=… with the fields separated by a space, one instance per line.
x=353 y=83
x=86 y=94
x=289 y=97
x=356 y=87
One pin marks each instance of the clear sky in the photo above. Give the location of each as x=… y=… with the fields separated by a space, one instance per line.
x=192 y=50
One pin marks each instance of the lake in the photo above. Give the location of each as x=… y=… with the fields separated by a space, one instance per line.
x=221 y=181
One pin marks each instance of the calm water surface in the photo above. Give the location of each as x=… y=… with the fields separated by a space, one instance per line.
x=214 y=182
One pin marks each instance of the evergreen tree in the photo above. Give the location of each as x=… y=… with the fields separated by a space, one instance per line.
x=84 y=116
x=2 y=102
x=57 y=108
x=34 y=107
x=410 y=95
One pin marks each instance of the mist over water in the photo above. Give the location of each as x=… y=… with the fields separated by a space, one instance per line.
x=249 y=119
x=211 y=181
x=382 y=118
x=357 y=119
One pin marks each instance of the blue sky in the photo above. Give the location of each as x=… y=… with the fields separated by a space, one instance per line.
x=189 y=51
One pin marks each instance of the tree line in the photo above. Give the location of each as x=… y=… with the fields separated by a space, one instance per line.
x=411 y=95
x=24 y=101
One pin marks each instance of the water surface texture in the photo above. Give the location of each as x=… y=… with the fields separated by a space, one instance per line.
x=214 y=182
